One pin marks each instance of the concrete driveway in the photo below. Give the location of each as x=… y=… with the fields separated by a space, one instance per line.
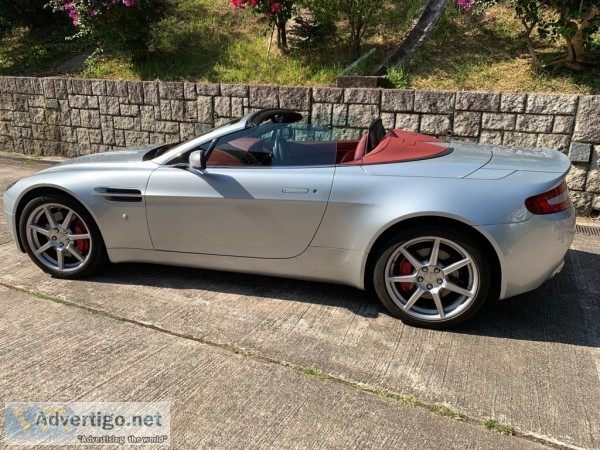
x=252 y=361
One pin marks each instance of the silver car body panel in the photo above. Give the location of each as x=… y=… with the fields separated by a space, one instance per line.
x=530 y=252
x=316 y=223
x=332 y=265
x=270 y=212
x=86 y=182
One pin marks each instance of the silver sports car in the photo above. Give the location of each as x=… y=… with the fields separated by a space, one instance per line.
x=434 y=227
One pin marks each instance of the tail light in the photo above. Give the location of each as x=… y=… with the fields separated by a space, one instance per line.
x=553 y=201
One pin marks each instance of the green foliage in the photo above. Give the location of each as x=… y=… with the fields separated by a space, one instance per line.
x=502 y=428
x=398 y=77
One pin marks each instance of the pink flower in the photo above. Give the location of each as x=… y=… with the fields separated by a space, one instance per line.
x=466 y=5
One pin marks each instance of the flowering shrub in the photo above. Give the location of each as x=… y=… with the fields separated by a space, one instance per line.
x=474 y=6
x=270 y=8
x=466 y=5
x=114 y=23
x=277 y=11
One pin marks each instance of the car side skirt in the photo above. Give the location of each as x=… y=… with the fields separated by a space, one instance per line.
x=331 y=265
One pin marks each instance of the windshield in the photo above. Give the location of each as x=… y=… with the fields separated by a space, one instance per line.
x=269 y=144
x=269 y=124
x=160 y=151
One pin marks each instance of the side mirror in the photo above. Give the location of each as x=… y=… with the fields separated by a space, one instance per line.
x=198 y=160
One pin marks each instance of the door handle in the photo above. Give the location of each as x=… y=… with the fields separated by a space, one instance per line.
x=289 y=190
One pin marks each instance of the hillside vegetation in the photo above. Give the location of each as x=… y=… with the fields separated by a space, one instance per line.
x=208 y=40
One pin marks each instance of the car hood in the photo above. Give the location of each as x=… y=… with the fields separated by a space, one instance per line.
x=129 y=154
x=123 y=157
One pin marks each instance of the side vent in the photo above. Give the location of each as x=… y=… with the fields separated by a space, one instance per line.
x=119 y=194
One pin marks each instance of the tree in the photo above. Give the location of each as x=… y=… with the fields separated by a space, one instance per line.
x=278 y=12
x=572 y=21
x=360 y=14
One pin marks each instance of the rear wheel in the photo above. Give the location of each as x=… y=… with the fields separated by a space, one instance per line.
x=61 y=237
x=432 y=277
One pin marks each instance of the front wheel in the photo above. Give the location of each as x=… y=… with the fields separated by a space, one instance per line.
x=432 y=277
x=61 y=237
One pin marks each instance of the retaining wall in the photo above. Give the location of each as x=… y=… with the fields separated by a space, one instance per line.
x=71 y=117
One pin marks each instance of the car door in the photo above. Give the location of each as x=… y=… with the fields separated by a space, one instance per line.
x=243 y=204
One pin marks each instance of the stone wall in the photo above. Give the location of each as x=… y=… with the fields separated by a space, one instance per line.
x=71 y=117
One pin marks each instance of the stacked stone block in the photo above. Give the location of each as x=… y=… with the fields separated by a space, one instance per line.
x=72 y=117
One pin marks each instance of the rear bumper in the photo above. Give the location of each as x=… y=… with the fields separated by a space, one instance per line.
x=533 y=251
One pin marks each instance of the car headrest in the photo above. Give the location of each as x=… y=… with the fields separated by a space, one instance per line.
x=376 y=133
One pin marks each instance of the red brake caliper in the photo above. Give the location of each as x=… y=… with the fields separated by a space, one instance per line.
x=406 y=268
x=82 y=244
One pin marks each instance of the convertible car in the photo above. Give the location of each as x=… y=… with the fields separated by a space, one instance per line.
x=435 y=228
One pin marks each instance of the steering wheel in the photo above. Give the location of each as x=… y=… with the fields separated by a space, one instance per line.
x=281 y=152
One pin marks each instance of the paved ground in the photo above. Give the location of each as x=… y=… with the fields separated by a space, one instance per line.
x=532 y=361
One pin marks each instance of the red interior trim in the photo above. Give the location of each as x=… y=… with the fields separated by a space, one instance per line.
x=398 y=146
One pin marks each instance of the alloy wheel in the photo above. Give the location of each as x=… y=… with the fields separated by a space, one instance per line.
x=431 y=278
x=58 y=237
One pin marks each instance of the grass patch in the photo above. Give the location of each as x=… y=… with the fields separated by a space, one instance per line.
x=408 y=400
x=240 y=351
x=405 y=400
x=36 y=51
x=313 y=373
x=502 y=428
x=398 y=77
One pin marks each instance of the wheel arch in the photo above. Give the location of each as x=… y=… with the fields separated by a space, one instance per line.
x=40 y=191
x=442 y=221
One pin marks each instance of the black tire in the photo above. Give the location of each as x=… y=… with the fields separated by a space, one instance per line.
x=455 y=247
x=91 y=249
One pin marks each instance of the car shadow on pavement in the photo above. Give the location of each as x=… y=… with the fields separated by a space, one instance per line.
x=565 y=309
x=242 y=284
